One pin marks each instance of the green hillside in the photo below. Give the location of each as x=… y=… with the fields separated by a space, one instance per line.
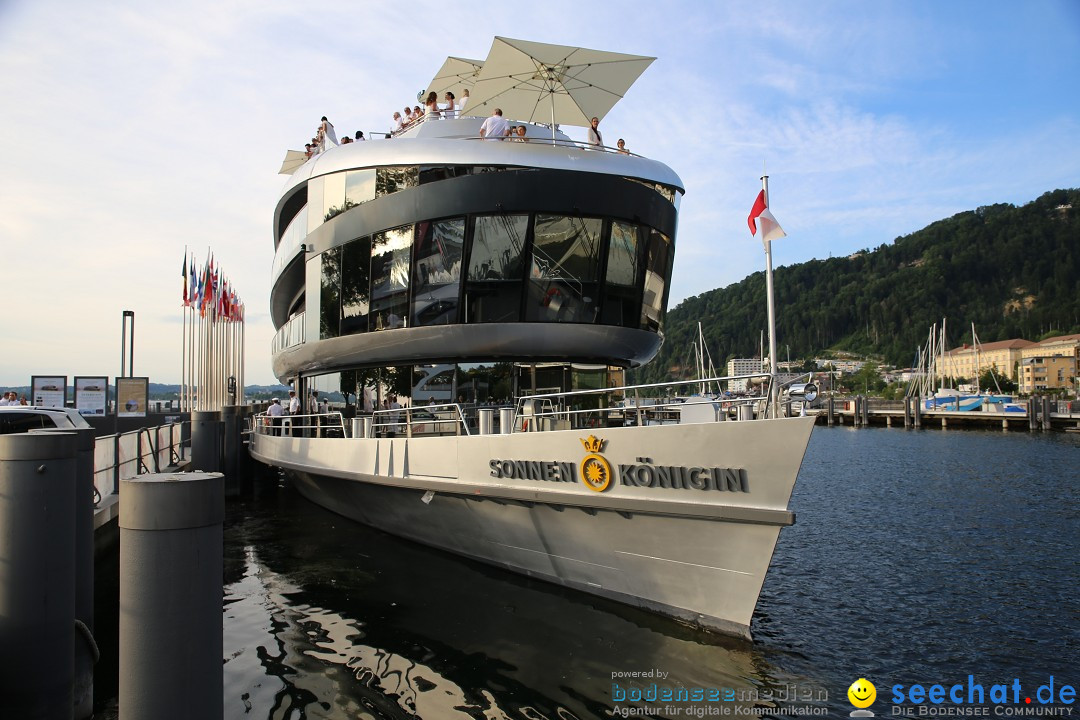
x=1013 y=271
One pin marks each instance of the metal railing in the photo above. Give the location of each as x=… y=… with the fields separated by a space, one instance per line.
x=126 y=455
x=328 y=424
x=440 y=419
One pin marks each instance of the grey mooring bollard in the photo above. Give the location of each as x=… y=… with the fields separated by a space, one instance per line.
x=37 y=575
x=171 y=571
x=206 y=440
x=86 y=648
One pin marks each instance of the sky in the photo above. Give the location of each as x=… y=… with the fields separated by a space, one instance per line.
x=132 y=131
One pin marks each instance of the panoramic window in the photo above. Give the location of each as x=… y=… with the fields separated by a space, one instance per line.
x=359 y=187
x=390 y=252
x=659 y=257
x=564 y=270
x=437 y=271
x=333 y=202
x=493 y=291
x=355 y=285
x=389 y=180
x=622 y=296
x=330 y=298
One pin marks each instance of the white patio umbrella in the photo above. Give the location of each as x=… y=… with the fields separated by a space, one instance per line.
x=455 y=75
x=293 y=160
x=537 y=82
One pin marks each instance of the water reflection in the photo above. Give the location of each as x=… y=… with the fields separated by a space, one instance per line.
x=328 y=619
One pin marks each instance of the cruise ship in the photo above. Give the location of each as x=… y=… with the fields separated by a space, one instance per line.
x=477 y=302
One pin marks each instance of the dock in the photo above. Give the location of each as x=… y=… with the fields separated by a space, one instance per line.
x=1042 y=414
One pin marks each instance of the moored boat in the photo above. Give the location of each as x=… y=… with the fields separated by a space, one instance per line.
x=477 y=302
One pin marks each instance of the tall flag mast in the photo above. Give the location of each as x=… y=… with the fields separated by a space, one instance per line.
x=764 y=225
x=213 y=338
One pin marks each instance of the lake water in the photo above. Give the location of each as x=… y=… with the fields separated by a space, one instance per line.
x=917 y=557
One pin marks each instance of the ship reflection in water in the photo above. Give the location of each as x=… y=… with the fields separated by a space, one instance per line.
x=326 y=618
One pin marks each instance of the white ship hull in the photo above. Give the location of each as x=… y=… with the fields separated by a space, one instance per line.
x=686 y=527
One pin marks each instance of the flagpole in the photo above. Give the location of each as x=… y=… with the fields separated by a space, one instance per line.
x=771 y=305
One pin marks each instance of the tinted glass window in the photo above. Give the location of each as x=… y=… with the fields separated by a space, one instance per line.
x=622 y=298
x=390 y=253
x=355 y=285
x=496 y=268
x=564 y=269
x=359 y=187
x=22 y=422
x=330 y=298
x=659 y=256
x=437 y=271
x=333 y=195
x=391 y=179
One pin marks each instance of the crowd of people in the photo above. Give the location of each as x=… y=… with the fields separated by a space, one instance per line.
x=12 y=398
x=495 y=127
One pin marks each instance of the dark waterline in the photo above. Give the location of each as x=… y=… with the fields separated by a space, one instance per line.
x=918 y=557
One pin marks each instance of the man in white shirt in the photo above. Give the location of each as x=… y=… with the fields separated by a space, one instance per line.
x=495 y=127
x=275 y=411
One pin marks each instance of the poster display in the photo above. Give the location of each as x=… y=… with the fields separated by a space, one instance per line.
x=92 y=395
x=131 y=396
x=49 y=390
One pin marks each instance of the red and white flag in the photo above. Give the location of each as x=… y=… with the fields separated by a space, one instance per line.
x=760 y=215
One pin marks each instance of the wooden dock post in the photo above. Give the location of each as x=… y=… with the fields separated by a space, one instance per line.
x=1046 y=413
x=918 y=411
x=1032 y=419
x=907 y=412
x=832 y=411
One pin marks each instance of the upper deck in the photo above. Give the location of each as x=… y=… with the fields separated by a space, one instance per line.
x=440 y=227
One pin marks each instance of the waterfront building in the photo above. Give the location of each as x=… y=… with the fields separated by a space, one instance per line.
x=742 y=366
x=969 y=361
x=1050 y=364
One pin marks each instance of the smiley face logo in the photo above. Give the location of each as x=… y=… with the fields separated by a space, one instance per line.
x=862 y=693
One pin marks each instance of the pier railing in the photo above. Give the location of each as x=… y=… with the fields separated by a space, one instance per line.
x=125 y=455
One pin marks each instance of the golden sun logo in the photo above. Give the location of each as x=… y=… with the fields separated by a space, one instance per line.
x=595 y=469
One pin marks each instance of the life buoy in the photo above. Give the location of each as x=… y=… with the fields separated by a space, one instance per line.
x=551 y=294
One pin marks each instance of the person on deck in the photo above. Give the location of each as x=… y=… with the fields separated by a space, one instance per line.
x=495 y=127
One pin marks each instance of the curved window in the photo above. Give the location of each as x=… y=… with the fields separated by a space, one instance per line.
x=330 y=299
x=496 y=264
x=390 y=253
x=333 y=196
x=437 y=271
x=355 y=285
x=359 y=186
x=622 y=299
x=658 y=261
x=391 y=179
x=564 y=270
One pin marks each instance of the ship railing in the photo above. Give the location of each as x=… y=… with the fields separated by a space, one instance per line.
x=328 y=424
x=414 y=420
x=699 y=400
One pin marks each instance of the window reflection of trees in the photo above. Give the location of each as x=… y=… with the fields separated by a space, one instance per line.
x=390 y=251
x=330 y=298
x=355 y=285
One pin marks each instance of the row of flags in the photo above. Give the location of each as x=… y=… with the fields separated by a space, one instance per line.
x=209 y=292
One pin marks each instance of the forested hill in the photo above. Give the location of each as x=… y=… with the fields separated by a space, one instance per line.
x=1013 y=271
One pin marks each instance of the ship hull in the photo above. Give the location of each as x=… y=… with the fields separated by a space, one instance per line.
x=686 y=526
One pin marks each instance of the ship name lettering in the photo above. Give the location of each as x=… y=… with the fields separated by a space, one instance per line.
x=685 y=478
x=541 y=470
